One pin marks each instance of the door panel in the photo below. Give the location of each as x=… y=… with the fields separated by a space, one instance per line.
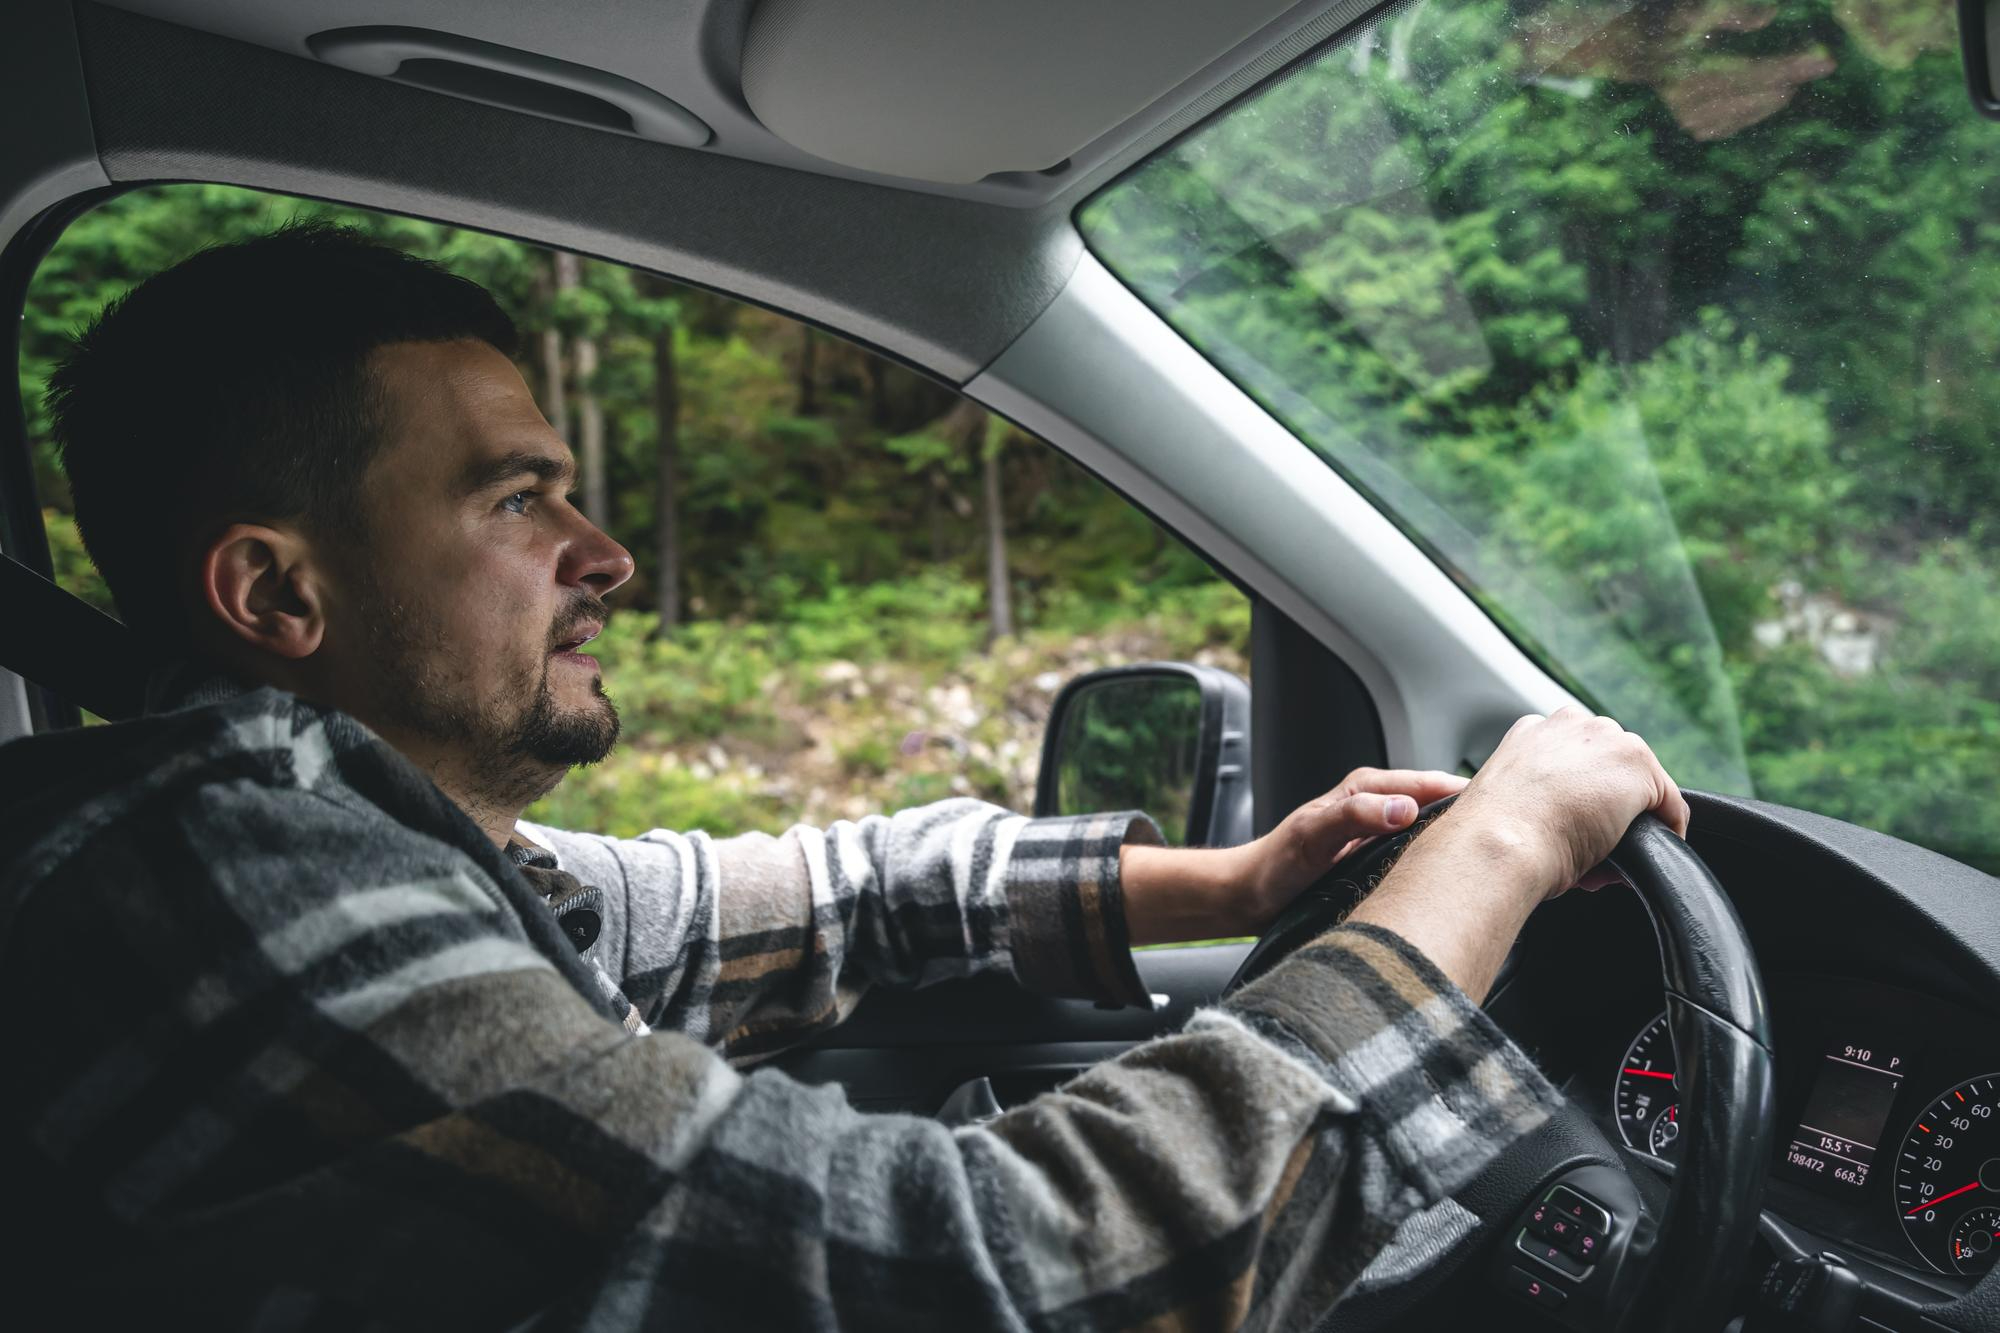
x=909 y=1050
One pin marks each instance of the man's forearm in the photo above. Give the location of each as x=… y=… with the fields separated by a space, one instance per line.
x=1459 y=895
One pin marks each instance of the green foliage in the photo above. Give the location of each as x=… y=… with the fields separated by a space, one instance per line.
x=1670 y=332
x=71 y=563
x=753 y=725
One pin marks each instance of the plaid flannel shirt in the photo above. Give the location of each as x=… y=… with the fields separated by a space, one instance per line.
x=296 y=1046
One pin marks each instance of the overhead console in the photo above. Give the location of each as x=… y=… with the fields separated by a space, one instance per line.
x=956 y=93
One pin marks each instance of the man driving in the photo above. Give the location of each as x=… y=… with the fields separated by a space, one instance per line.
x=324 y=1035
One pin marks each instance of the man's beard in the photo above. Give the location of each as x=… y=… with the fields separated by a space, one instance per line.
x=512 y=752
x=568 y=739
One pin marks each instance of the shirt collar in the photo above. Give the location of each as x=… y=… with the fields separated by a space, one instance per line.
x=189 y=683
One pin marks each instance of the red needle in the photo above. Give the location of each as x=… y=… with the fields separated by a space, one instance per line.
x=1649 y=1073
x=1932 y=1203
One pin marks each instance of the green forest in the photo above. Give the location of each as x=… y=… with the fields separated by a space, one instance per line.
x=1669 y=329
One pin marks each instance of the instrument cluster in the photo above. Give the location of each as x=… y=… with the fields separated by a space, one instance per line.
x=1889 y=1115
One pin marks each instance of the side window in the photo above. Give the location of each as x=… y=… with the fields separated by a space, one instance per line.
x=856 y=590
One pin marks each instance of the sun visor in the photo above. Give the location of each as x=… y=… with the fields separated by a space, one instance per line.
x=954 y=91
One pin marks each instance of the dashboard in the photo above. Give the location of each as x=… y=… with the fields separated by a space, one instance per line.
x=1888 y=1118
x=1881 y=963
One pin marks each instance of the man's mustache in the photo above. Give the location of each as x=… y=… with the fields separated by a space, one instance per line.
x=583 y=619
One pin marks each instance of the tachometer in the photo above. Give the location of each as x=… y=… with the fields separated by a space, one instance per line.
x=1648 y=1117
x=1948 y=1178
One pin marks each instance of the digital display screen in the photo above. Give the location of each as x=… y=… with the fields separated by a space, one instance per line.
x=1834 y=1144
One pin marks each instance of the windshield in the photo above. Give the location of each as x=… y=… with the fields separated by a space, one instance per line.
x=1670 y=329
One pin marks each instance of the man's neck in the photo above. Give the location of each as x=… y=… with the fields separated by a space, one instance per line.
x=496 y=822
x=492 y=796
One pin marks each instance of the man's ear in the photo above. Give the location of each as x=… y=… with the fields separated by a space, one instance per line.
x=262 y=585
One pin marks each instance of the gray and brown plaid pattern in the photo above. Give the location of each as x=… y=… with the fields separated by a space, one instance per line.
x=295 y=1047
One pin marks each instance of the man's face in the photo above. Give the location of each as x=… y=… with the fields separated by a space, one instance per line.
x=470 y=578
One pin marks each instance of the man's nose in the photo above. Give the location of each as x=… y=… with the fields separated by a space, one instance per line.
x=594 y=560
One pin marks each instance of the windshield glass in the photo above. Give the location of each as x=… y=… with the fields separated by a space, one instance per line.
x=1670 y=329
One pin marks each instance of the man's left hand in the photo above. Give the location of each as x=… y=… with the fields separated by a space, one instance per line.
x=1191 y=894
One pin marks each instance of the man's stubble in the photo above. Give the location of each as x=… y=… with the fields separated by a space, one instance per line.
x=515 y=743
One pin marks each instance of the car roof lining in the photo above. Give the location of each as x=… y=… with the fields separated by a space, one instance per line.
x=941 y=277
x=943 y=284
x=955 y=83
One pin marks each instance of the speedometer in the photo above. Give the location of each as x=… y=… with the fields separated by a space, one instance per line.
x=1644 y=1092
x=1948 y=1178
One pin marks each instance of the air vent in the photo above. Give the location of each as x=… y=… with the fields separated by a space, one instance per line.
x=518 y=80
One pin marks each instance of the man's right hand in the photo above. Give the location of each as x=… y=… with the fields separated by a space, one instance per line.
x=1543 y=812
x=1570 y=784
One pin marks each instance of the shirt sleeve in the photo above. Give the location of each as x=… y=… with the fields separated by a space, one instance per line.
x=307 y=1094
x=753 y=943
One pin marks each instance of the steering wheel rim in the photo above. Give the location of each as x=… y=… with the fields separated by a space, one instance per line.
x=1679 y=1272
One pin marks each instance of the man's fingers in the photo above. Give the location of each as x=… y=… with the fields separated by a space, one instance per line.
x=1674 y=809
x=1670 y=806
x=1370 y=803
x=1423 y=784
x=1377 y=812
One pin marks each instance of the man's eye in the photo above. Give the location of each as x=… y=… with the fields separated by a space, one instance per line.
x=517 y=503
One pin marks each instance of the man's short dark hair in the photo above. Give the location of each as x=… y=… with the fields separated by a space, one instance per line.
x=234 y=387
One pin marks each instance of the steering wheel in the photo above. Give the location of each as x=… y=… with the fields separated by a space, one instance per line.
x=1576 y=1233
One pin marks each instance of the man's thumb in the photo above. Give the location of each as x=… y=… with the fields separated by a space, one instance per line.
x=1375 y=813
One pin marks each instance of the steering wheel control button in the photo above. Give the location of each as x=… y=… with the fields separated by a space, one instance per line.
x=1545 y=1223
x=1587 y=1211
x=1541 y=1291
x=1551 y=1253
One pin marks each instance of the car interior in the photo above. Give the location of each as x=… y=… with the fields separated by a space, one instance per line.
x=1815 y=996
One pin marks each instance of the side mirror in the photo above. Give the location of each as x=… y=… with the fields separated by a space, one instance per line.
x=1169 y=738
x=1979 y=39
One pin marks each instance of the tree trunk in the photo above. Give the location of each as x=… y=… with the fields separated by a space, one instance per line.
x=808 y=371
x=667 y=478
x=555 y=394
x=555 y=391
x=999 y=600
x=877 y=371
x=589 y=440
x=938 y=508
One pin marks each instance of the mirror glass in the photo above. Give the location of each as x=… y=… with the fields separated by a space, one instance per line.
x=1129 y=743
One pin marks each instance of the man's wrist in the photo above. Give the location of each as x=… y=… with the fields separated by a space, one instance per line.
x=1174 y=894
x=1509 y=856
x=1461 y=893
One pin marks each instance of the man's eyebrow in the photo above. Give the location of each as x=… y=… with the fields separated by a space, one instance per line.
x=486 y=473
